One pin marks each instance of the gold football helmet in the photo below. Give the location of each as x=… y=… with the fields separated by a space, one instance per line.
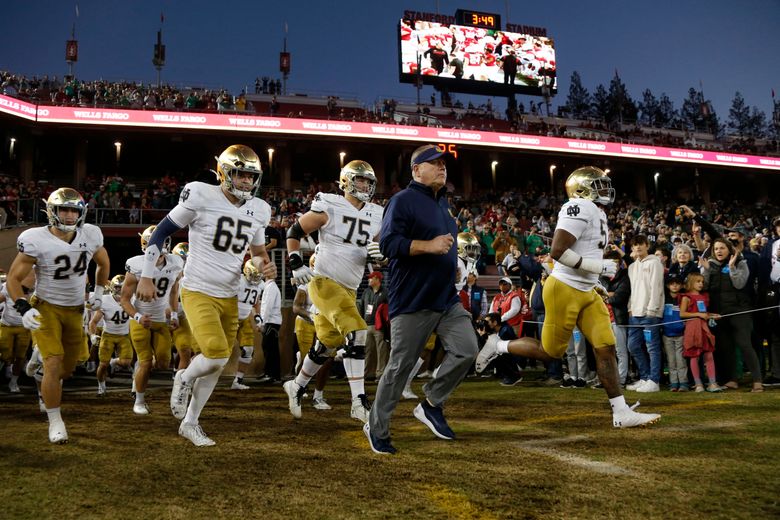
x=352 y=171
x=251 y=273
x=468 y=246
x=590 y=183
x=65 y=198
x=116 y=283
x=147 y=235
x=238 y=158
x=182 y=249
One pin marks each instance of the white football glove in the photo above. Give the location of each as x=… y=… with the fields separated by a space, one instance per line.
x=32 y=319
x=258 y=320
x=301 y=272
x=609 y=268
x=96 y=301
x=374 y=253
x=95 y=339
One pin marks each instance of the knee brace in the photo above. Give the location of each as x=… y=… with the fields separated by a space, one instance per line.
x=246 y=355
x=355 y=352
x=319 y=353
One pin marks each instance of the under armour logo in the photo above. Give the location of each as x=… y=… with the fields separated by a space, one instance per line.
x=250 y=213
x=84 y=245
x=20 y=247
x=185 y=194
x=573 y=211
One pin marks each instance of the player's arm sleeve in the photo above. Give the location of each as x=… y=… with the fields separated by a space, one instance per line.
x=164 y=229
x=394 y=242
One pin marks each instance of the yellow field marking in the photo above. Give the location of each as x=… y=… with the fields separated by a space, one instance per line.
x=563 y=417
x=455 y=504
x=699 y=404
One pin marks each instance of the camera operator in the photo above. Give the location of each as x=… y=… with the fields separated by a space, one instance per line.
x=505 y=364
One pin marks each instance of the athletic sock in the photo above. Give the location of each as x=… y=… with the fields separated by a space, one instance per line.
x=318 y=394
x=239 y=376
x=102 y=386
x=502 y=347
x=202 y=366
x=139 y=398
x=14 y=380
x=54 y=414
x=308 y=370
x=201 y=391
x=355 y=369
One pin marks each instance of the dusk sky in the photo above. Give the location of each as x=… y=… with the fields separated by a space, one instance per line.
x=349 y=48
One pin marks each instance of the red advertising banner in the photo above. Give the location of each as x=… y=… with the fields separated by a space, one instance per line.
x=347 y=129
x=71 y=50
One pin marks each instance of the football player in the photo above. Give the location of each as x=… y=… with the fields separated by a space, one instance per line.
x=223 y=222
x=571 y=293
x=304 y=310
x=149 y=329
x=115 y=335
x=60 y=253
x=248 y=291
x=182 y=335
x=348 y=229
x=14 y=337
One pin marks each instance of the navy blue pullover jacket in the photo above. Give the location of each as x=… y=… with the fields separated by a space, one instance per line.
x=424 y=281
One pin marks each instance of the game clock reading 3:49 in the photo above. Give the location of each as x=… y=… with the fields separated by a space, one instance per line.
x=478 y=19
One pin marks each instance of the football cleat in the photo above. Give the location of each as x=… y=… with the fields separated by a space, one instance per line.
x=195 y=434
x=13 y=387
x=294 y=393
x=35 y=362
x=180 y=396
x=238 y=386
x=41 y=405
x=408 y=393
x=57 y=432
x=488 y=353
x=628 y=418
x=319 y=403
x=361 y=407
x=141 y=409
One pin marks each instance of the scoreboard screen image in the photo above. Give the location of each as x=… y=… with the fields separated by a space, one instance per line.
x=475 y=60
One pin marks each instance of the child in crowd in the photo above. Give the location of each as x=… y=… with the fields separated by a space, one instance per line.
x=698 y=340
x=672 y=336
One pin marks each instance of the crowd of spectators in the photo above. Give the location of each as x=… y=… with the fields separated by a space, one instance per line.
x=135 y=95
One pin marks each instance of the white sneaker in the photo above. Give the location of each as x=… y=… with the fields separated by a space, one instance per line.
x=238 y=386
x=141 y=409
x=360 y=408
x=101 y=392
x=35 y=362
x=57 y=432
x=487 y=354
x=320 y=403
x=424 y=375
x=408 y=393
x=180 y=396
x=628 y=418
x=294 y=393
x=649 y=386
x=13 y=387
x=636 y=384
x=194 y=433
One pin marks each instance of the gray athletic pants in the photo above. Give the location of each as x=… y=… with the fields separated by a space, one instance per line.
x=409 y=333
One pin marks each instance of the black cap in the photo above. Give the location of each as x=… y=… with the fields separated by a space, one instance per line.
x=674 y=278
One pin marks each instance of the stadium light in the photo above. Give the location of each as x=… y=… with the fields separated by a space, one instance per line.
x=552 y=179
x=493 y=171
x=341 y=158
x=270 y=160
x=11 y=147
x=118 y=146
x=655 y=179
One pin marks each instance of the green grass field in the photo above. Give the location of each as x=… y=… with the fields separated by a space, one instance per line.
x=522 y=452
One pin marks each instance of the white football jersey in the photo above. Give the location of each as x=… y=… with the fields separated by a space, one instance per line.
x=588 y=223
x=219 y=236
x=115 y=319
x=343 y=239
x=10 y=316
x=61 y=267
x=247 y=297
x=164 y=278
x=465 y=267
